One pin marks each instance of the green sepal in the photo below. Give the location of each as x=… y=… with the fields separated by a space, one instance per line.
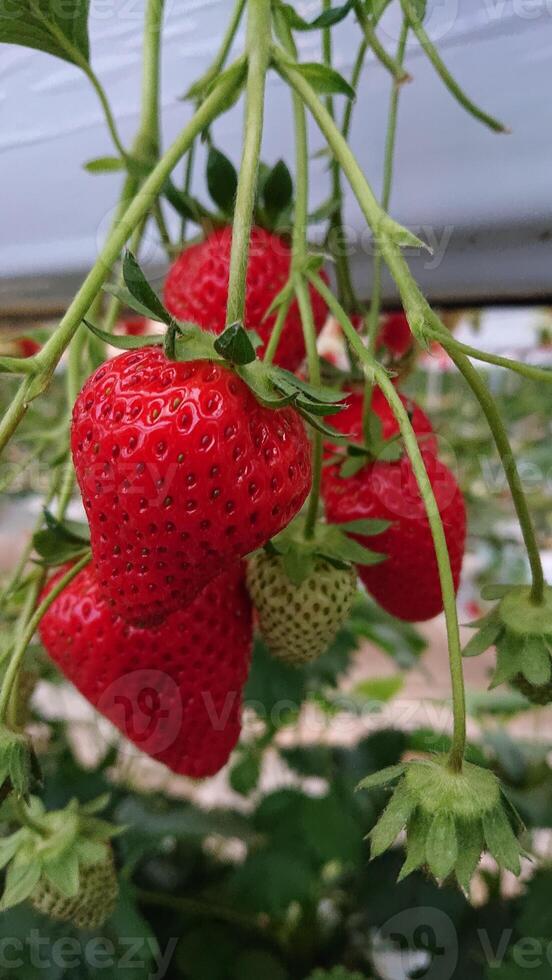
x=125 y=342
x=471 y=845
x=62 y=872
x=328 y=18
x=222 y=180
x=393 y=819
x=509 y=661
x=19 y=767
x=277 y=191
x=416 y=836
x=189 y=207
x=537 y=665
x=235 y=345
x=329 y=542
x=60 y=541
x=501 y=840
x=21 y=880
x=442 y=845
x=382 y=778
x=492 y=592
x=326 y=81
x=483 y=639
x=365 y=526
x=140 y=289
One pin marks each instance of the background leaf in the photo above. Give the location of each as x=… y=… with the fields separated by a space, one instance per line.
x=58 y=28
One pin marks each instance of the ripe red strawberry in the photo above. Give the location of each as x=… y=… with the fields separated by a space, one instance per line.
x=349 y=419
x=196 y=290
x=181 y=471
x=174 y=690
x=406 y=584
x=134 y=326
x=395 y=333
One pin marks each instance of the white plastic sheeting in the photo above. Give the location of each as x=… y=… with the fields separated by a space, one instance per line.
x=482 y=200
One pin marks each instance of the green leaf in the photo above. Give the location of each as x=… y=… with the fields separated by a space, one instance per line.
x=222 y=180
x=392 y=821
x=9 y=846
x=382 y=778
x=244 y=775
x=104 y=165
x=483 y=639
x=441 y=845
x=277 y=190
x=140 y=288
x=21 y=880
x=325 y=80
x=327 y=18
x=234 y=345
x=501 y=840
x=60 y=29
x=62 y=872
x=379 y=690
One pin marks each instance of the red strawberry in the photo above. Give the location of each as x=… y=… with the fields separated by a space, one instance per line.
x=349 y=419
x=406 y=584
x=196 y=290
x=134 y=326
x=28 y=347
x=395 y=333
x=175 y=690
x=181 y=471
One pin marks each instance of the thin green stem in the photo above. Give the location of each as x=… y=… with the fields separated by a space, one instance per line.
x=276 y=331
x=109 y=117
x=23 y=618
x=518 y=367
x=258 y=53
x=397 y=70
x=355 y=78
x=375 y=304
x=299 y=255
x=221 y=57
x=151 y=72
x=136 y=210
x=27 y=634
x=502 y=442
x=379 y=374
x=434 y=57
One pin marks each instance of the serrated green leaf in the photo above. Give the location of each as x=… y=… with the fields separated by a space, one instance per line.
x=222 y=180
x=501 y=840
x=104 y=165
x=234 y=345
x=483 y=639
x=325 y=80
x=140 y=288
x=393 y=819
x=62 y=872
x=21 y=880
x=442 y=845
x=59 y=29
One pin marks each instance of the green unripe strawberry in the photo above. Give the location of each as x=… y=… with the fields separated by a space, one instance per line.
x=299 y=621
x=94 y=901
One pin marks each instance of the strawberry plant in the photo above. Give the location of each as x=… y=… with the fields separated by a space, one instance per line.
x=254 y=514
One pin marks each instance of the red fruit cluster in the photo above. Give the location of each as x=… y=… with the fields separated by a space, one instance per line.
x=406 y=584
x=196 y=290
x=175 y=691
x=182 y=472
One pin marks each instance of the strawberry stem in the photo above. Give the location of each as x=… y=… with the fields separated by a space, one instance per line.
x=258 y=55
x=375 y=305
x=379 y=374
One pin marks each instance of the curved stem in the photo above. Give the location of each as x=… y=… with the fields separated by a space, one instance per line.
x=375 y=305
x=276 y=331
x=442 y=70
x=258 y=52
x=500 y=436
x=221 y=57
x=109 y=117
x=518 y=367
x=379 y=374
x=369 y=31
x=355 y=78
x=29 y=631
x=136 y=210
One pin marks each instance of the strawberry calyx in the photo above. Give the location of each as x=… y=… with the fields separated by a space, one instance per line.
x=60 y=541
x=330 y=542
x=19 y=767
x=521 y=631
x=54 y=848
x=274 y=387
x=450 y=818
